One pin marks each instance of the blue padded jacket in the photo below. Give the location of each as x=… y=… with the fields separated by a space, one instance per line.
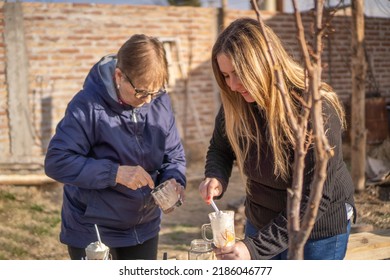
x=96 y=135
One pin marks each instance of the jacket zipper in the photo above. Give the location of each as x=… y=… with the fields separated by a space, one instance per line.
x=135 y=120
x=134 y=116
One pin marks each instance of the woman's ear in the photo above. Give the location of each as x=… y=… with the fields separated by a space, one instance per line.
x=117 y=75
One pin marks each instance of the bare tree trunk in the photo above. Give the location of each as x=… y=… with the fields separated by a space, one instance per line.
x=299 y=227
x=358 y=126
x=298 y=236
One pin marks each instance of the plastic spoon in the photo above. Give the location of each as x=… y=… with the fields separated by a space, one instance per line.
x=214 y=206
x=98 y=235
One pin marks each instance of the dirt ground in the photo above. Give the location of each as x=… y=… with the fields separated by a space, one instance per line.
x=30 y=220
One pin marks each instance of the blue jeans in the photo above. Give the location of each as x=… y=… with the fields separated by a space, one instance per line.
x=330 y=248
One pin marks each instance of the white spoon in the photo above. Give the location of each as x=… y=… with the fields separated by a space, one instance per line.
x=214 y=206
x=98 y=235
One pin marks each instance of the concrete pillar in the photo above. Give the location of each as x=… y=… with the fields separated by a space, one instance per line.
x=20 y=117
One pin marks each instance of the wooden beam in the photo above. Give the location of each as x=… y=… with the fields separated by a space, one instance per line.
x=25 y=180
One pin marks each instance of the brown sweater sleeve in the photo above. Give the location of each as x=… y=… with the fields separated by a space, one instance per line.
x=220 y=156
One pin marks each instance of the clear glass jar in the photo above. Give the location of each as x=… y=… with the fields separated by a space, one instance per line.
x=201 y=250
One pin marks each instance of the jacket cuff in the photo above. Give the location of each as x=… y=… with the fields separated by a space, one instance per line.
x=112 y=174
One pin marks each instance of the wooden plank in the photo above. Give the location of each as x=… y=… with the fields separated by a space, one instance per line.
x=373 y=245
x=26 y=180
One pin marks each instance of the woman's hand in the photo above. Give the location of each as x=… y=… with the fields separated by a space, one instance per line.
x=133 y=177
x=238 y=251
x=209 y=188
x=179 y=189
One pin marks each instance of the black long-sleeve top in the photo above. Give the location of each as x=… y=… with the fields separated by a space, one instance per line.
x=266 y=194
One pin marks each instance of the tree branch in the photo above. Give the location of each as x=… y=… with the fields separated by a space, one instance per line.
x=311 y=112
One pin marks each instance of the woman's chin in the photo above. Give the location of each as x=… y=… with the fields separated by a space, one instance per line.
x=248 y=98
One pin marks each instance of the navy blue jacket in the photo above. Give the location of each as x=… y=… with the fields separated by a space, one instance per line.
x=96 y=135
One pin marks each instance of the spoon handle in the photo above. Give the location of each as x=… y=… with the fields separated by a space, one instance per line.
x=97 y=233
x=214 y=206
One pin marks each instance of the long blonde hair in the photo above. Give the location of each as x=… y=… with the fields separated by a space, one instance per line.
x=243 y=42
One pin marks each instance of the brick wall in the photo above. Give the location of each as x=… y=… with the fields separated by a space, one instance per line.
x=336 y=54
x=64 y=40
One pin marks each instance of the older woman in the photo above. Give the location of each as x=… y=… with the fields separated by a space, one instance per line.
x=117 y=140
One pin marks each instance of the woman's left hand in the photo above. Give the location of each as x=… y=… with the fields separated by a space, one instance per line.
x=179 y=189
x=238 y=251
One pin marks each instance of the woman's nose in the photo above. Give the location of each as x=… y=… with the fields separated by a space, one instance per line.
x=235 y=83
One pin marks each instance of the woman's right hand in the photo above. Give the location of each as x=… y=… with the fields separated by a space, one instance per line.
x=209 y=188
x=133 y=177
x=238 y=251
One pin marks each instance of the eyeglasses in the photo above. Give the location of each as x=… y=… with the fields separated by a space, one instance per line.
x=142 y=93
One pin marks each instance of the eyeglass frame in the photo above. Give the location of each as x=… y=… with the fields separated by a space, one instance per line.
x=142 y=93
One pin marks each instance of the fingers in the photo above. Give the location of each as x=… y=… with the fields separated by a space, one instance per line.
x=210 y=188
x=238 y=251
x=134 y=177
x=138 y=178
x=203 y=189
x=225 y=257
x=145 y=178
x=181 y=191
x=178 y=188
x=225 y=253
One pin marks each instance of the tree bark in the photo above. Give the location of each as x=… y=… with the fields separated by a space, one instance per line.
x=358 y=126
x=299 y=227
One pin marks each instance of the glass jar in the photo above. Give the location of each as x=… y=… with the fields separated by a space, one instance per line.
x=201 y=250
